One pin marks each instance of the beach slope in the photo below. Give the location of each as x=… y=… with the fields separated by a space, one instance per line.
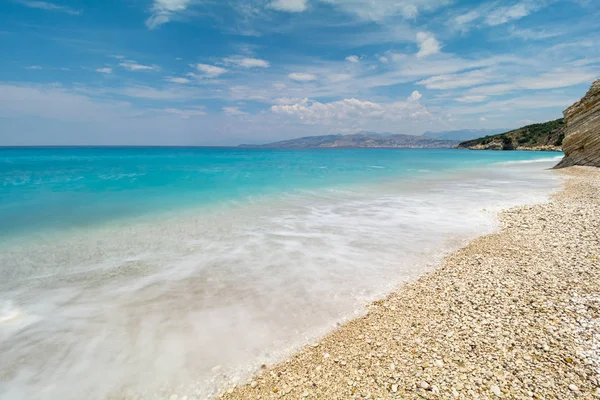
x=512 y=315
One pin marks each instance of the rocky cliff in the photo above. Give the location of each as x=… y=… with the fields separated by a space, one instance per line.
x=582 y=131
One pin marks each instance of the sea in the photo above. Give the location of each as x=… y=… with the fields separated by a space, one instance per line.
x=163 y=273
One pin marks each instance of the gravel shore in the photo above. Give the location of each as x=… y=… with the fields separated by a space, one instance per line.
x=515 y=314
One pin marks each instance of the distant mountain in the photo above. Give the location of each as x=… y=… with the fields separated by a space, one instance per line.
x=361 y=139
x=546 y=136
x=463 y=134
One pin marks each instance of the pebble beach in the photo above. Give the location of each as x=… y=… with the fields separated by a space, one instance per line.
x=514 y=314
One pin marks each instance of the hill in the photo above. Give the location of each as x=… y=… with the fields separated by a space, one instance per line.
x=360 y=140
x=547 y=136
x=463 y=134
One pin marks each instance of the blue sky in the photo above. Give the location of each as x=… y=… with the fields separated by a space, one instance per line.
x=223 y=72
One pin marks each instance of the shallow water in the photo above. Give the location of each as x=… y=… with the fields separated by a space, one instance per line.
x=160 y=271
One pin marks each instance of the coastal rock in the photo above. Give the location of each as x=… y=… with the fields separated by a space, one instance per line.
x=547 y=136
x=582 y=133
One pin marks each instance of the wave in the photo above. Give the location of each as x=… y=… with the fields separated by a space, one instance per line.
x=534 y=161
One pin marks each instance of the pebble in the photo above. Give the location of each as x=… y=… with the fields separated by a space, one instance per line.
x=573 y=388
x=496 y=390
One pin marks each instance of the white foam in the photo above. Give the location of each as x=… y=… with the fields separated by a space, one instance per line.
x=8 y=313
x=144 y=306
x=552 y=160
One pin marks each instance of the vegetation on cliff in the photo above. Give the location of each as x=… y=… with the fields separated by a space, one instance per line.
x=544 y=136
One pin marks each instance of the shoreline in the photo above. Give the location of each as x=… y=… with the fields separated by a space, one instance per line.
x=511 y=315
x=553 y=150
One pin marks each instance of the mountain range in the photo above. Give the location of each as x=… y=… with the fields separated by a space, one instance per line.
x=361 y=140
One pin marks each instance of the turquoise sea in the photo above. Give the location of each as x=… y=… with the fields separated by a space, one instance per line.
x=149 y=272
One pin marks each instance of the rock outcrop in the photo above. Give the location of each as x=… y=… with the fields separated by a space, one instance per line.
x=547 y=136
x=582 y=132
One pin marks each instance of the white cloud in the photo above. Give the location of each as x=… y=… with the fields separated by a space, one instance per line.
x=350 y=111
x=312 y=112
x=483 y=119
x=384 y=59
x=247 y=62
x=493 y=14
x=428 y=44
x=398 y=57
x=531 y=34
x=177 y=79
x=334 y=78
x=516 y=104
x=289 y=5
x=353 y=59
x=453 y=81
x=44 y=5
x=233 y=111
x=378 y=10
x=557 y=79
x=287 y=100
x=150 y=93
x=164 y=11
x=471 y=99
x=493 y=90
x=105 y=70
x=415 y=96
x=504 y=14
x=133 y=66
x=34 y=67
x=210 y=71
x=302 y=77
x=185 y=113
x=462 y=22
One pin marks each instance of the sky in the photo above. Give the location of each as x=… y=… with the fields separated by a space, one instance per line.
x=225 y=72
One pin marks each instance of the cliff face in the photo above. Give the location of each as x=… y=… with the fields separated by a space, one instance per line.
x=582 y=132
